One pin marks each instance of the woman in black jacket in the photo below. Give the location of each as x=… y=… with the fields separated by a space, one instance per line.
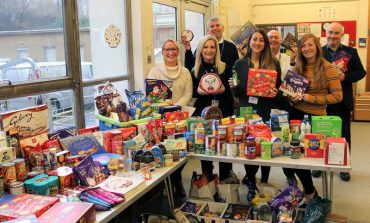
x=258 y=56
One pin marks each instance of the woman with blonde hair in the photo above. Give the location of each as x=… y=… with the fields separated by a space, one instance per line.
x=208 y=61
x=324 y=88
x=182 y=90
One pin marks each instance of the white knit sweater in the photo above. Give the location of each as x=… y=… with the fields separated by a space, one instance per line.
x=182 y=89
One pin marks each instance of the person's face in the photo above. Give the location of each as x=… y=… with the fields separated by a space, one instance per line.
x=309 y=49
x=209 y=51
x=170 y=53
x=257 y=43
x=215 y=28
x=334 y=35
x=274 y=40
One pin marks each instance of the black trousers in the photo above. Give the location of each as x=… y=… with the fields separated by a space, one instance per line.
x=176 y=175
x=303 y=175
x=224 y=168
x=345 y=114
x=251 y=171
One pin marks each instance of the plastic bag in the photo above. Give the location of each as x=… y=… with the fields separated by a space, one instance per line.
x=316 y=210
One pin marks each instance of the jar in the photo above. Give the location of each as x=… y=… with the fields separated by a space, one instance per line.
x=168 y=160
x=295 y=149
x=250 y=150
x=16 y=188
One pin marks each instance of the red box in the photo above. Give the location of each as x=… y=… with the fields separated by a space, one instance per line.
x=336 y=151
x=25 y=205
x=127 y=133
x=261 y=82
x=71 y=212
x=88 y=130
x=314 y=145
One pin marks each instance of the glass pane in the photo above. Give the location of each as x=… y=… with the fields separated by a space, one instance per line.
x=164 y=27
x=27 y=28
x=103 y=37
x=194 y=21
x=90 y=109
x=60 y=107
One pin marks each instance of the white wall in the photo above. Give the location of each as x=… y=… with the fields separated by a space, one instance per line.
x=289 y=11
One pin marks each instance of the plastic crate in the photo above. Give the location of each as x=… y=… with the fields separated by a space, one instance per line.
x=106 y=123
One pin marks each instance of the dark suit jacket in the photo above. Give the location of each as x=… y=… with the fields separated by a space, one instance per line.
x=355 y=72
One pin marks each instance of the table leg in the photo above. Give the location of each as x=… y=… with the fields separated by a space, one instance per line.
x=331 y=189
x=168 y=186
x=134 y=212
x=324 y=184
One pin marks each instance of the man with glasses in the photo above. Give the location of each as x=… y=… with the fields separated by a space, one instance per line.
x=350 y=69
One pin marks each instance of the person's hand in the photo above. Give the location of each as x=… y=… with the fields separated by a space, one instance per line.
x=274 y=91
x=296 y=98
x=221 y=90
x=240 y=49
x=340 y=72
x=231 y=83
x=293 y=54
x=185 y=43
x=169 y=102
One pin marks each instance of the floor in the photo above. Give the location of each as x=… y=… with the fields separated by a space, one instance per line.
x=350 y=199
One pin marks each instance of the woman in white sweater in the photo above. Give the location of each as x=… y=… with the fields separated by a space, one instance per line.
x=171 y=69
x=182 y=91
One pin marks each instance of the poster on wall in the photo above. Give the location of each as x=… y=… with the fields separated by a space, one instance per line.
x=319 y=30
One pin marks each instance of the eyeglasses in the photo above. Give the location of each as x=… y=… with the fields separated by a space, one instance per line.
x=169 y=49
x=213 y=26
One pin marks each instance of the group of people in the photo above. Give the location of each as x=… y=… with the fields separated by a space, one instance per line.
x=329 y=91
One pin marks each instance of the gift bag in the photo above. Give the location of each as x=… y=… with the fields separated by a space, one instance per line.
x=316 y=210
x=228 y=193
x=201 y=188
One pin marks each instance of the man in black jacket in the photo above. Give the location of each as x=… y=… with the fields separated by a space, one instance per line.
x=351 y=70
x=228 y=51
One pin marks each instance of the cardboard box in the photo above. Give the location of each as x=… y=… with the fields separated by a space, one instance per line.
x=212 y=212
x=336 y=151
x=28 y=122
x=327 y=125
x=26 y=204
x=314 y=145
x=71 y=212
x=192 y=207
x=7 y=154
x=233 y=210
x=261 y=82
x=333 y=218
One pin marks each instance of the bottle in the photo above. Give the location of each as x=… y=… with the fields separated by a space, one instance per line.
x=235 y=77
x=305 y=127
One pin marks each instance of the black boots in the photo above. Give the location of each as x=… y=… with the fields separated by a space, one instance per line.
x=178 y=188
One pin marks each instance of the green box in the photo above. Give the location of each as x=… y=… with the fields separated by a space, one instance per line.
x=327 y=125
x=246 y=112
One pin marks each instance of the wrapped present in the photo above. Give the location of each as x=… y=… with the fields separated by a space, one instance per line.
x=261 y=82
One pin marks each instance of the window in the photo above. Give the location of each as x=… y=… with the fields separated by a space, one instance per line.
x=22 y=53
x=194 y=21
x=44 y=47
x=164 y=27
x=50 y=54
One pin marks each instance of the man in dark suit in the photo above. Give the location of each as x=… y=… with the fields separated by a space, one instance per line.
x=351 y=70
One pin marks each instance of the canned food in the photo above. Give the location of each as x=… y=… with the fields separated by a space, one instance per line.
x=16 y=188
x=231 y=149
x=221 y=148
x=20 y=169
x=211 y=145
x=221 y=132
x=250 y=150
x=238 y=133
x=9 y=173
x=241 y=146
